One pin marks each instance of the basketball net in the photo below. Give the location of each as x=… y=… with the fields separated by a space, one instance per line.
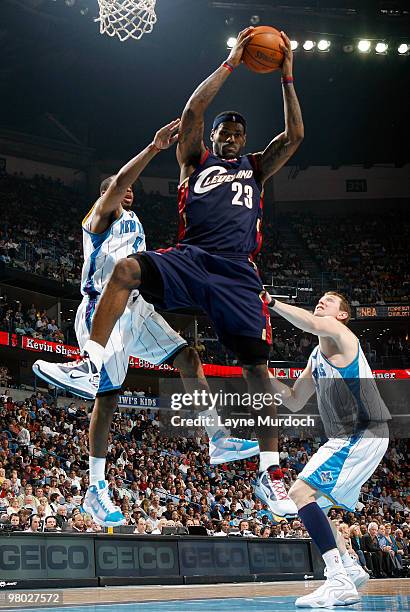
x=127 y=18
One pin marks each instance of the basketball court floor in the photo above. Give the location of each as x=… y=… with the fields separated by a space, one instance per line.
x=392 y=595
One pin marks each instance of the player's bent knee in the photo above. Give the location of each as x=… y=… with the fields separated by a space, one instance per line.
x=301 y=493
x=127 y=273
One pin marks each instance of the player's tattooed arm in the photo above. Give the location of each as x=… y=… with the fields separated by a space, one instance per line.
x=281 y=148
x=190 y=143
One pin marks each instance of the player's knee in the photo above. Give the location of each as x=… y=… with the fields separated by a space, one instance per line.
x=127 y=273
x=301 y=493
x=188 y=362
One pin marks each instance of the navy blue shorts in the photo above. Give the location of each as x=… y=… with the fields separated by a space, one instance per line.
x=229 y=291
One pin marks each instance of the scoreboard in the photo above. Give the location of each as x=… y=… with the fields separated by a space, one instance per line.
x=394 y=311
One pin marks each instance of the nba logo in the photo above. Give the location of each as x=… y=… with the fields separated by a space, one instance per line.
x=326 y=477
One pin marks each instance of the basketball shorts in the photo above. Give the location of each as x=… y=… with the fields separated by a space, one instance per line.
x=229 y=291
x=140 y=332
x=340 y=467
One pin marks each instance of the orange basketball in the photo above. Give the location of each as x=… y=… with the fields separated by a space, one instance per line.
x=263 y=53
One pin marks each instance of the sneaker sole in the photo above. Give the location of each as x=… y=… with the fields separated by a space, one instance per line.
x=232 y=456
x=362 y=581
x=52 y=381
x=99 y=521
x=335 y=604
x=265 y=500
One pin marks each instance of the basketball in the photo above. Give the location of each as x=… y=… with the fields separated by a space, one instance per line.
x=263 y=52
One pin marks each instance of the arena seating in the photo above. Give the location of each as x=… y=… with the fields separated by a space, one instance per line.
x=367 y=260
x=160 y=481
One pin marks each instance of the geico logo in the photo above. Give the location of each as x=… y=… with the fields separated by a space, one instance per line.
x=40 y=556
x=134 y=557
x=210 y=556
x=279 y=557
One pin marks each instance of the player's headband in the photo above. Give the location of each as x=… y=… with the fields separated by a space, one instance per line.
x=234 y=117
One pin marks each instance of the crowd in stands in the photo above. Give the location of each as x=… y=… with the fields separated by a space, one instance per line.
x=39 y=228
x=163 y=481
x=365 y=255
x=28 y=320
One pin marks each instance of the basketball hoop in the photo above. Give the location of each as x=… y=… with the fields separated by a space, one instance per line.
x=127 y=18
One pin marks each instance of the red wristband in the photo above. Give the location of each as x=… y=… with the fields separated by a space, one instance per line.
x=287 y=79
x=228 y=66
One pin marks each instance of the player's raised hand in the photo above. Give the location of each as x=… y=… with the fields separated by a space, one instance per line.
x=235 y=56
x=287 y=66
x=167 y=135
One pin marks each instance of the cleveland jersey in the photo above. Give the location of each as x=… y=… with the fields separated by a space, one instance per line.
x=124 y=237
x=220 y=206
x=348 y=398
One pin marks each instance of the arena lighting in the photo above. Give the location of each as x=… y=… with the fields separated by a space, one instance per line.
x=294 y=45
x=364 y=46
x=381 y=48
x=308 y=45
x=230 y=43
x=323 y=45
x=403 y=49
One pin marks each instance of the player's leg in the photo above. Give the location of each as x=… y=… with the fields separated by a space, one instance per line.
x=338 y=588
x=239 y=311
x=83 y=377
x=97 y=501
x=156 y=342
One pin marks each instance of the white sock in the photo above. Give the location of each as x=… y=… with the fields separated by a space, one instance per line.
x=347 y=560
x=266 y=459
x=333 y=562
x=97 y=469
x=96 y=353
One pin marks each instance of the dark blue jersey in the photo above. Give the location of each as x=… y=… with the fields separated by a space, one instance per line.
x=220 y=206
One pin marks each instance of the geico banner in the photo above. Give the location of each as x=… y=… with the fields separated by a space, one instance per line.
x=219 y=557
x=138 y=401
x=26 y=558
x=275 y=557
x=136 y=558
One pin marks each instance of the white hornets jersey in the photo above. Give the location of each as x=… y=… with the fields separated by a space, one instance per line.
x=348 y=398
x=124 y=237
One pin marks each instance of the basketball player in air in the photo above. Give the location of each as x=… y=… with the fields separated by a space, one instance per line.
x=111 y=231
x=220 y=206
x=355 y=420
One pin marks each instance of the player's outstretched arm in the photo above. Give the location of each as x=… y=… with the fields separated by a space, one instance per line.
x=294 y=398
x=191 y=133
x=110 y=201
x=319 y=326
x=281 y=148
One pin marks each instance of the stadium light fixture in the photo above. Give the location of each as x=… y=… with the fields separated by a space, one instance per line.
x=403 y=49
x=230 y=43
x=364 y=46
x=308 y=45
x=294 y=45
x=381 y=48
x=323 y=45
